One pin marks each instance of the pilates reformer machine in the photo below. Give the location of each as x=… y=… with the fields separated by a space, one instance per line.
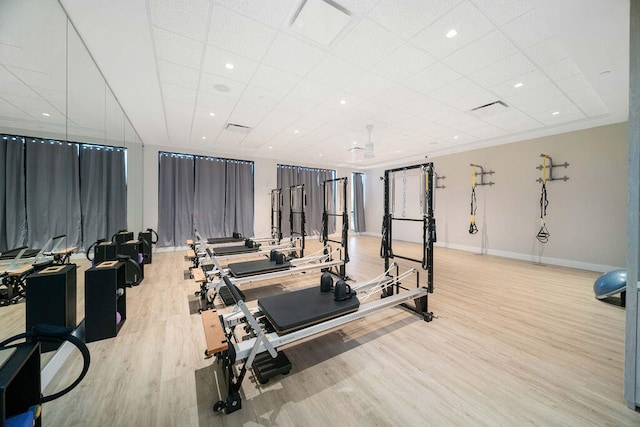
x=287 y=318
x=17 y=264
x=335 y=207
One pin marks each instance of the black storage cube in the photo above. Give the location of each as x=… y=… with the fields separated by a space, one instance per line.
x=51 y=299
x=132 y=248
x=20 y=381
x=105 y=297
x=105 y=251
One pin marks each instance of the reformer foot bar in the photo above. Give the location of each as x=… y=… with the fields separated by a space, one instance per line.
x=287 y=318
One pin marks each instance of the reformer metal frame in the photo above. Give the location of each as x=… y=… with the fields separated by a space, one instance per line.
x=298 y=189
x=276 y=214
x=326 y=214
x=261 y=339
x=427 y=183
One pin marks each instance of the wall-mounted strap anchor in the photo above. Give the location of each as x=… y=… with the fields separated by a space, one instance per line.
x=547 y=165
x=481 y=174
x=439 y=178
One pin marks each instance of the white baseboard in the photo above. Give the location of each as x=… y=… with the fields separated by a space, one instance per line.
x=524 y=257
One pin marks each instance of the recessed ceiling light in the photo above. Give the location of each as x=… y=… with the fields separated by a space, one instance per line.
x=229 y=66
x=221 y=88
x=204 y=137
x=452 y=33
x=270 y=148
x=342 y=102
x=296 y=131
x=46 y=114
x=455 y=137
x=519 y=84
x=320 y=155
x=355 y=143
x=359 y=160
x=555 y=113
x=212 y=114
x=397 y=151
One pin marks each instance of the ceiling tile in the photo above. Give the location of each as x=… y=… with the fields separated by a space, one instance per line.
x=248 y=114
x=473 y=100
x=273 y=79
x=500 y=71
x=407 y=18
x=209 y=82
x=178 y=75
x=335 y=72
x=396 y=95
x=368 y=86
x=530 y=81
x=292 y=55
x=527 y=30
x=261 y=97
x=179 y=117
x=466 y=19
x=293 y=105
x=275 y=13
x=574 y=83
x=593 y=107
x=178 y=93
x=335 y=101
x=229 y=139
x=456 y=119
x=547 y=105
x=513 y=120
x=421 y=105
x=455 y=90
x=184 y=17
x=403 y=63
x=367 y=44
x=174 y=48
x=440 y=113
x=486 y=131
x=503 y=11
x=547 y=51
x=568 y=113
x=480 y=54
x=370 y=110
x=310 y=91
x=216 y=60
x=432 y=78
x=562 y=69
x=236 y=33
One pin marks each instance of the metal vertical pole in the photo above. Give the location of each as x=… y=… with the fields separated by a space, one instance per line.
x=632 y=344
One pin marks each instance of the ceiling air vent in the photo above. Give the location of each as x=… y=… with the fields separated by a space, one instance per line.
x=489 y=109
x=232 y=127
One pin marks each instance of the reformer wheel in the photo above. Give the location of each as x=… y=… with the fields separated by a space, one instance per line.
x=219 y=406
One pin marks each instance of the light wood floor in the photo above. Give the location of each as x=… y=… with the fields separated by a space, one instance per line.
x=513 y=343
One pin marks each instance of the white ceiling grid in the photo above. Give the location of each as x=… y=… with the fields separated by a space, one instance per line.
x=238 y=61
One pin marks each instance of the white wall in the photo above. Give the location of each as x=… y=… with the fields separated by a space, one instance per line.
x=586 y=215
x=265 y=179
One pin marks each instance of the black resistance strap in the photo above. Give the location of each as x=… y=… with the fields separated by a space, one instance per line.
x=543 y=234
x=473 y=228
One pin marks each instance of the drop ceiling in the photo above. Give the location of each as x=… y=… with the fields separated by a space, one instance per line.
x=184 y=70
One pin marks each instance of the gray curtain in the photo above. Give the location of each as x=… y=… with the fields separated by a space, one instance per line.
x=358 y=203
x=239 y=198
x=312 y=180
x=103 y=192
x=209 y=204
x=176 y=186
x=52 y=191
x=13 y=215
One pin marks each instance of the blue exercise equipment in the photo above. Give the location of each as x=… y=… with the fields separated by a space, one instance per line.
x=611 y=283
